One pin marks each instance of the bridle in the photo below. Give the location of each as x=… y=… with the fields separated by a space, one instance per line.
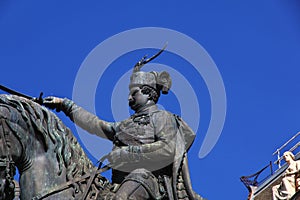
x=7 y=163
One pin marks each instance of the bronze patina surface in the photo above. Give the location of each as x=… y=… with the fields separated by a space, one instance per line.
x=148 y=159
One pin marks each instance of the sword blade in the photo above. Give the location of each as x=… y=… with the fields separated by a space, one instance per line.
x=10 y=91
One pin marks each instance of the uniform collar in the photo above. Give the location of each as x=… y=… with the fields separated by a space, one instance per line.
x=146 y=110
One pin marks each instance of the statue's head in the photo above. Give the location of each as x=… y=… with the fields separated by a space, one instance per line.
x=146 y=87
x=288 y=156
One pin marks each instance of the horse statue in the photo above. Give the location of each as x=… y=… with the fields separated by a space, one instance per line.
x=50 y=161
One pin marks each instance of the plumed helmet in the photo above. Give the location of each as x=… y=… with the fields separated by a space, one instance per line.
x=161 y=81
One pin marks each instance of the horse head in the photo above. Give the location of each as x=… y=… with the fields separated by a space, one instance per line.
x=49 y=159
x=7 y=185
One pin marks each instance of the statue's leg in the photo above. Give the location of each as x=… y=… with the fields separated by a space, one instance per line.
x=131 y=190
x=140 y=184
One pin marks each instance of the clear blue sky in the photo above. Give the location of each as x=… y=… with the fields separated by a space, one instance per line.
x=254 y=44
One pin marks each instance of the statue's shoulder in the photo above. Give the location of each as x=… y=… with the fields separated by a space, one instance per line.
x=160 y=114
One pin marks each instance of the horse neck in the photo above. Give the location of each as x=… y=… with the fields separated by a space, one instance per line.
x=45 y=172
x=41 y=173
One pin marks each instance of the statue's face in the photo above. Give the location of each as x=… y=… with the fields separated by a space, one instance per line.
x=137 y=99
x=287 y=157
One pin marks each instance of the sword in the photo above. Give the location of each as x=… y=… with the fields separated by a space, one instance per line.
x=38 y=100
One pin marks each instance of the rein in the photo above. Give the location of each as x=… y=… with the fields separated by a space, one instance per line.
x=64 y=186
x=92 y=177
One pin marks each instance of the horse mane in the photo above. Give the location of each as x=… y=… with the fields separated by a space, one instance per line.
x=47 y=126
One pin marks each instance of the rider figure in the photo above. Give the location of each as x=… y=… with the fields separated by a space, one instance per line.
x=149 y=148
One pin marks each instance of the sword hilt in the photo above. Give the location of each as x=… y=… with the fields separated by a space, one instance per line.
x=39 y=99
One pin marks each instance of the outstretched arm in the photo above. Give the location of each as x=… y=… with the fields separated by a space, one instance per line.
x=81 y=117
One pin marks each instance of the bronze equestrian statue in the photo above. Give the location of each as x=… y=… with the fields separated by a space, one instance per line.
x=148 y=158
